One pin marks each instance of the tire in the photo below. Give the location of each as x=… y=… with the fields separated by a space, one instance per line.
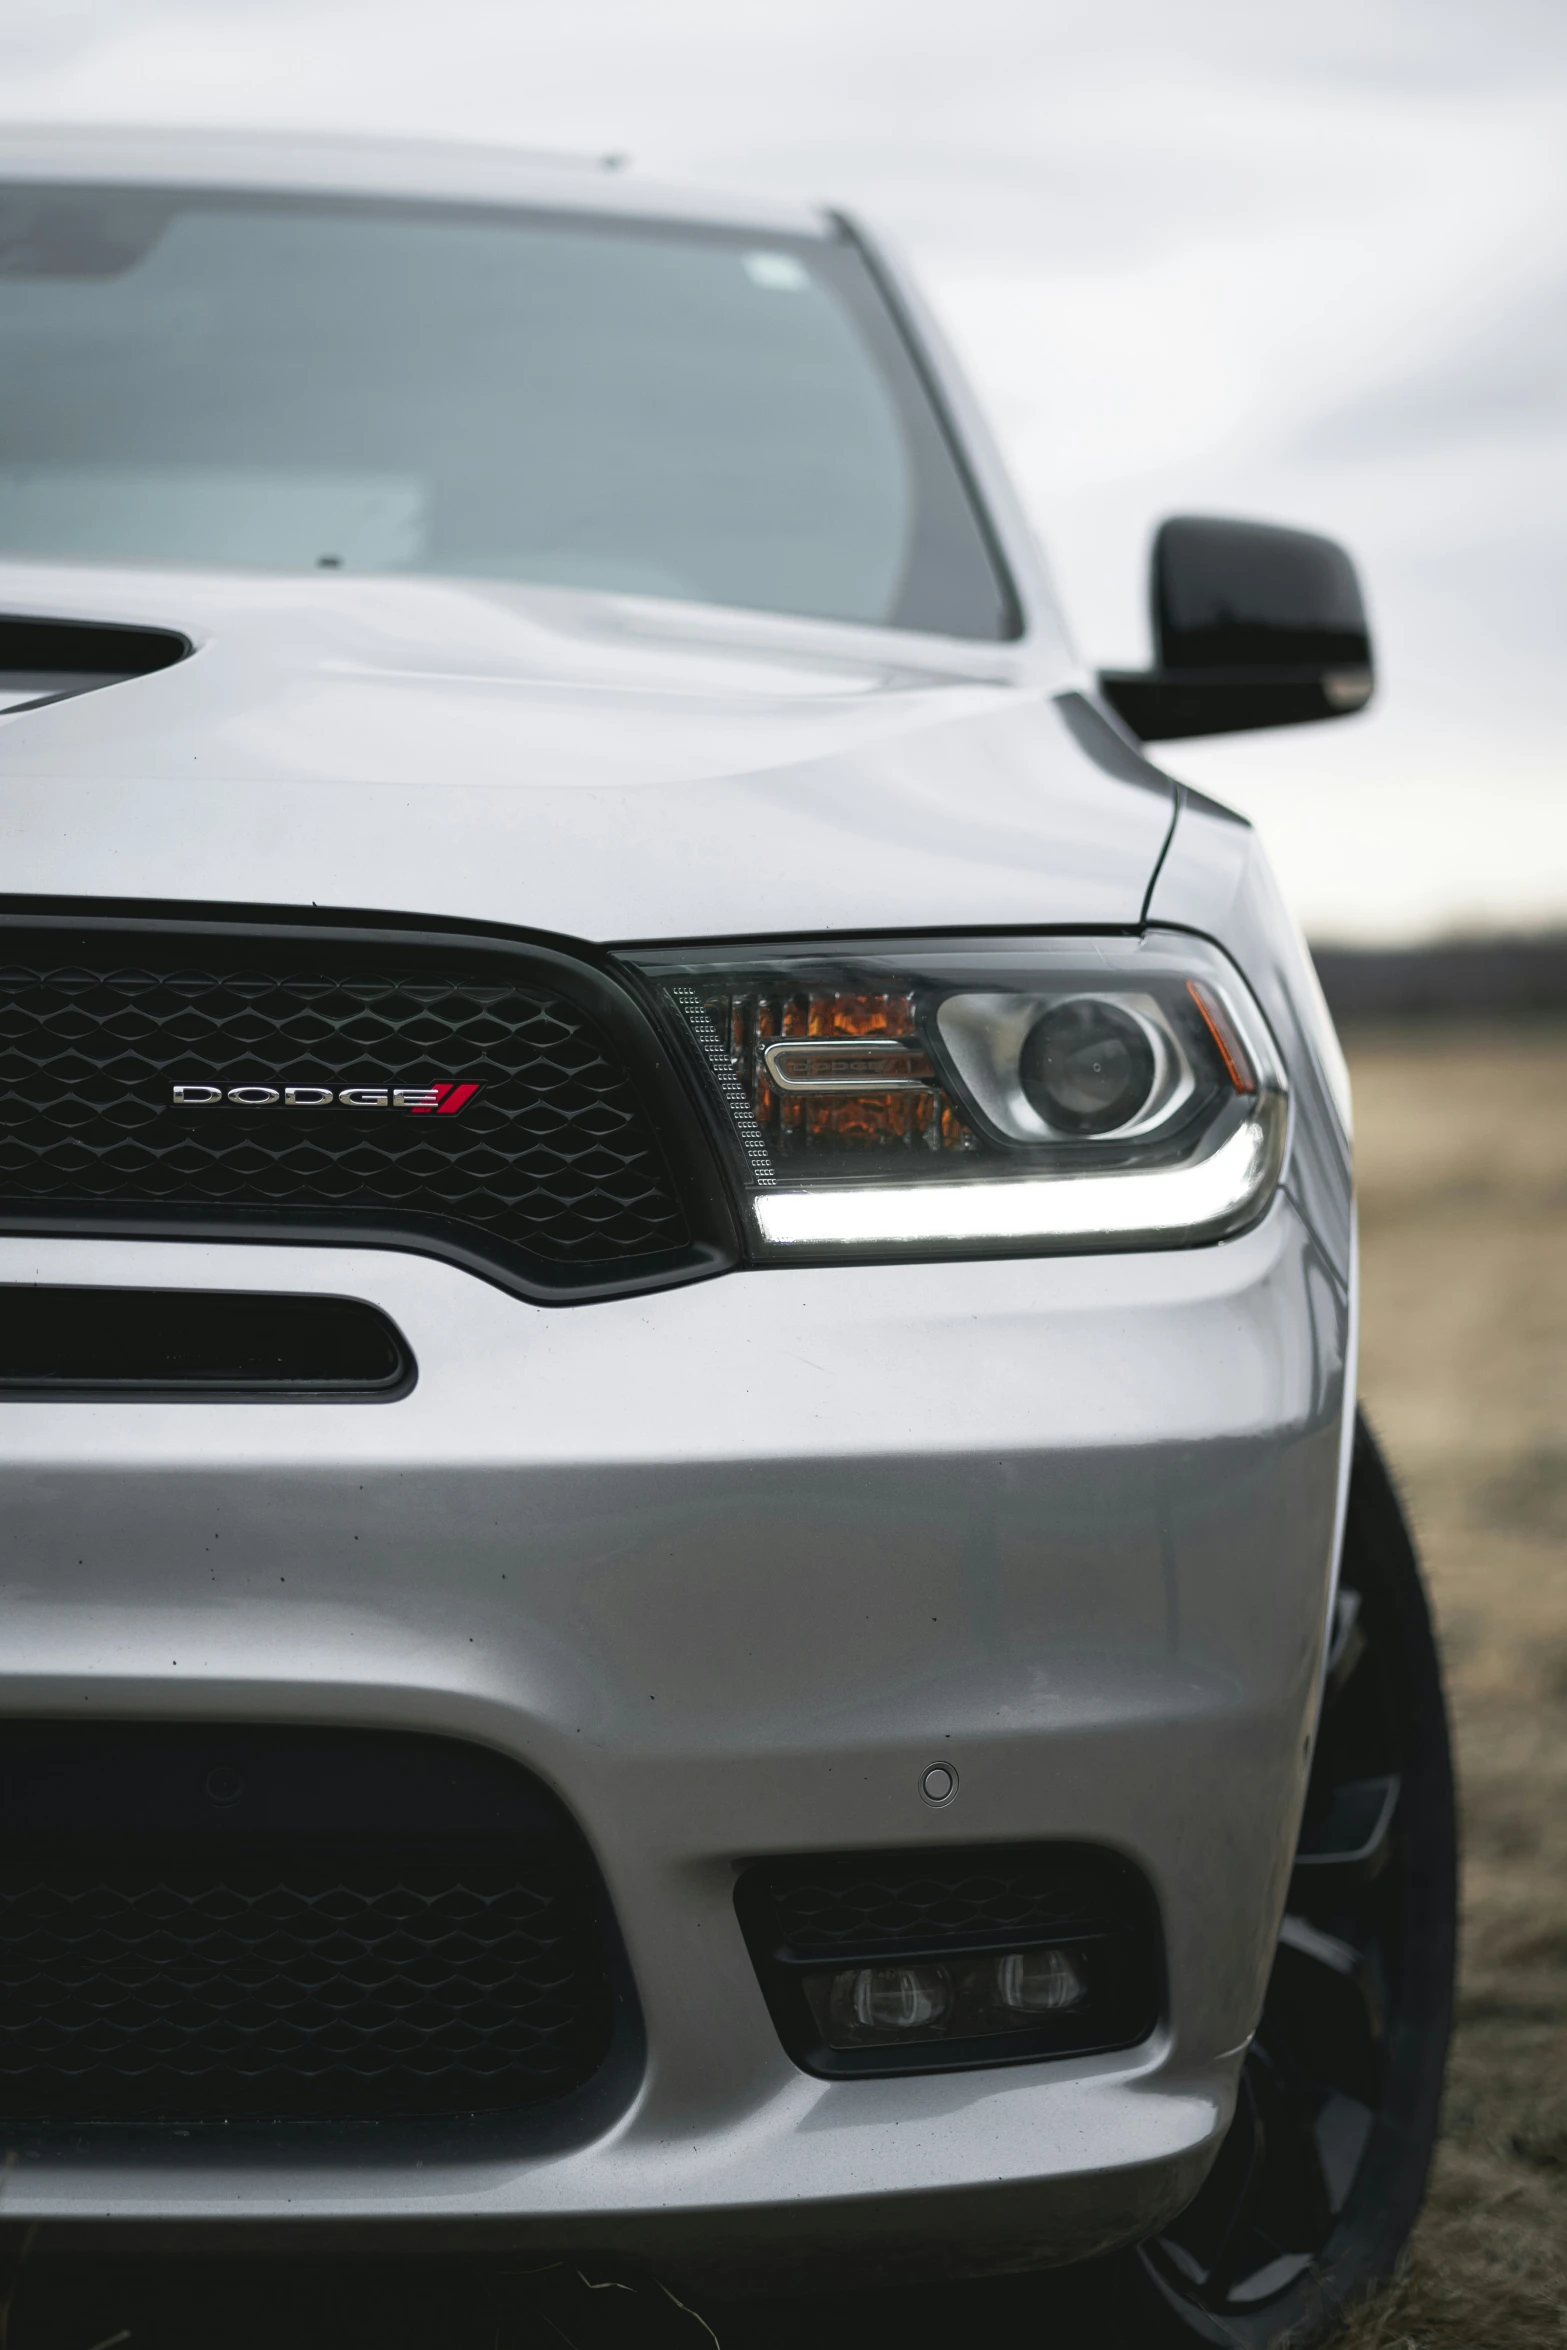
x=1323 y=2172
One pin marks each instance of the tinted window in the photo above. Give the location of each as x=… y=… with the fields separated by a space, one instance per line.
x=211 y=378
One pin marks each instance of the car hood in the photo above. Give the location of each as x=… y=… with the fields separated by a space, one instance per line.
x=593 y=766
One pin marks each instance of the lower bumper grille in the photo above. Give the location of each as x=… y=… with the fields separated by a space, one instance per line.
x=262 y=1995
x=224 y=1972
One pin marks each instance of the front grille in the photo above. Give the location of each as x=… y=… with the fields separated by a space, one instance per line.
x=565 y=1165
x=289 y=1928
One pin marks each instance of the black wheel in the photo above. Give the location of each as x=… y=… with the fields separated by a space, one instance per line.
x=1320 y=2179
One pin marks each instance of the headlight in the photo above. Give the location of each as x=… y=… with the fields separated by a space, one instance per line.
x=989 y=1096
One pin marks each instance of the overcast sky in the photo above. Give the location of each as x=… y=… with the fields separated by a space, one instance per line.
x=1308 y=263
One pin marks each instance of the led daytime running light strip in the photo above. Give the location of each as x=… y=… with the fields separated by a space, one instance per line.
x=1190 y=1202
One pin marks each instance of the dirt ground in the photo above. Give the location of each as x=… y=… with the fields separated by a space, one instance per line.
x=1462 y=1145
x=1463 y=1159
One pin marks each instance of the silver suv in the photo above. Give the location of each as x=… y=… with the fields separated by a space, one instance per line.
x=689 y=1575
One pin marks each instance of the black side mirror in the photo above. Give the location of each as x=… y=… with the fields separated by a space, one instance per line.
x=1255 y=626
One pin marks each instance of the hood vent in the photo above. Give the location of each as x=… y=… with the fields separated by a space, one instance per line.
x=49 y=660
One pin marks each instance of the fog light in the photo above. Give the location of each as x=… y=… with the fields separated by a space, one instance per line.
x=931 y=1959
x=871 y=2003
x=1038 y=1982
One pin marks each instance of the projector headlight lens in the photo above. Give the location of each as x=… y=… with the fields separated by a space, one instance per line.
x=982 y=1097
x=1087 y=1067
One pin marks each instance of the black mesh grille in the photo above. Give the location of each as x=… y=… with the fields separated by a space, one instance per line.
x=293 y=1994
x=214 y=1925
x=968 y=1901
x=553 y=1160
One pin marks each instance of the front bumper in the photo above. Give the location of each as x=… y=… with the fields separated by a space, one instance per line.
x=728 y=1566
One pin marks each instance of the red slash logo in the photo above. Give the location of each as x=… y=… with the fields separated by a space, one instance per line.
x=449 y=1099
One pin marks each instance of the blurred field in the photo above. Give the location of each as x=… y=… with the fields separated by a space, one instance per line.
x=1463 y=1159
x=1462 y=1144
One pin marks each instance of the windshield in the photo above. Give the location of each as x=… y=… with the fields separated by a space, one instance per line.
x=204 y=377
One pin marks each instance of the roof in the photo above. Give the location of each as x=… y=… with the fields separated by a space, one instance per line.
x=313 y=162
